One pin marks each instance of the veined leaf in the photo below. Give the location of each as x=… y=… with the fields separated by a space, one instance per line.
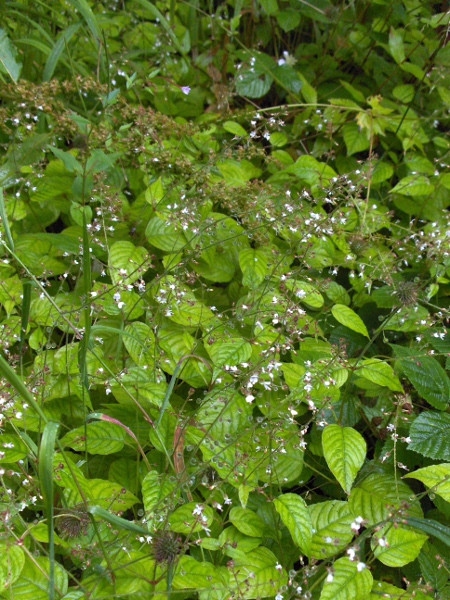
x=127 y=263
x=190 y=518
x=402 y=545
x=426 y=375
x=229 y=351
x=97 y=438
x=430 y=435
x=436 y=477
x=350 y=582
x=247 y=521
x=347 y=317
x=344 y=450
x=295 y=515
x=431 y=527
x=253 y=265
x=377 y=495
x=331 y=525
x=414 y=185
x=380 y=372
x=266 y=581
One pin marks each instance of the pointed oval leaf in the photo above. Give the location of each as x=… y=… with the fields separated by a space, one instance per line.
x=266 y=579
x=164 y=236
x=347 y=317
x=426 y=375
x=331 y=524
x=191 y=518
x=247 y=521
x=253 y=265
x=379 y=372
x=295 y=515
x=436 y=477
x=344 y=450
x=127 y=262
x=96 y=438
x=230 y=352
x=350 y=582
x=402 y=547
x=430 y=435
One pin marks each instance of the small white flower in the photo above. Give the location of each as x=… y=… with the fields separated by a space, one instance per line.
x=361 y=566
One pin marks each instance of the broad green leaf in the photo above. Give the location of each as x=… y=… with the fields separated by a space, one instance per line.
x=430 y=566
x=436 y=477
x=253 y=265
x=157 y=492
x=355 y=139
x=266 y=580
x=237 y=173
x=430 y=435
x=127 y=263
x=192 y=574
x=347 y=317
x=351 y=581
x=12 y=448
x=12 y=561
x=426 y=375
x=253 y=85
x=293 y=374
x=164 y=236
x=382 y=589
x=235 y=129
x=306 y=293
x=345 y=450
x=380 y=372
x=396 y=46
x=414 y=185
x=247 y=521
x=33 y=581
x=231 y=351
x=288 y=19
x=8 y=57
x=378 y=494
x=269 y=6
x=140 y=343
x=191 y=518
x=233 y=542
x=331 y=526
x=402 y=545
x=96 y=438
x=294 y=514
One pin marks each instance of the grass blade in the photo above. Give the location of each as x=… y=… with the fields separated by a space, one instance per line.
x=98 y=511
x=46 y=452
x=4 y=218
x=58 y=49
x=86 y=11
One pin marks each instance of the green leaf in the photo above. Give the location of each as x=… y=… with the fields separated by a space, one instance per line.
x=379 y=372
x=253 y=265
x=140 y=343
x=247 y=521
x=12 y=448
x=295 y=515
x=191 y=518
x=307 y=293
x=235 y=129
x=355 y=139
x=431 y=568
x=426 y=375
x=157 y=492
x=12 y=561
x=253 y=85
x=436 y=477
x=347 y=317
x=127 y=263
x=266 y=579
x=345 y=451
x=396 y=46
x=96 y=438
x=230 y=352
x=331 y=525
x=288 y=19
x=350 y=582
x=430 y=435
x=431 y=527
x=270 y=6
x=192 y=574
x=373 y=497
x=414 y=185
x=164 y=236
x=402 y=545
x=33 y=581
x=8 y=57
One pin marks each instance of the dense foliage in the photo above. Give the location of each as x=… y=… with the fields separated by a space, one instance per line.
x=224 y=293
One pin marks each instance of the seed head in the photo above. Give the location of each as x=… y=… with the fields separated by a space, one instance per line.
x=166 y=547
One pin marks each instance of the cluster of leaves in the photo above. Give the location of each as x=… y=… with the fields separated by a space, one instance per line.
x=224 y=300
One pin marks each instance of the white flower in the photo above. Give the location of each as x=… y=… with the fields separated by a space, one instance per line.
x=198 y=510
x=361 y=566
